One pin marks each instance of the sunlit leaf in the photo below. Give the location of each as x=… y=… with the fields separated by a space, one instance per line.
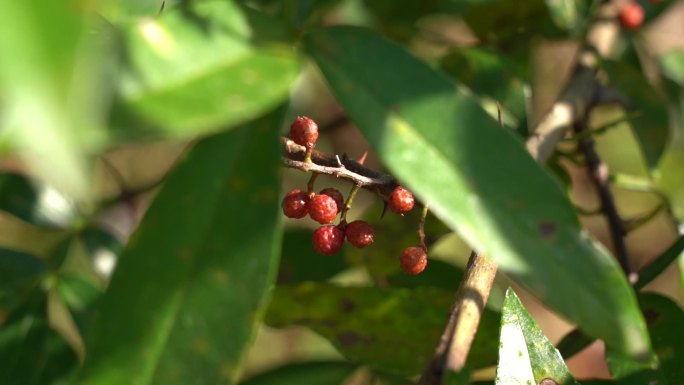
x=201 y=68
x=525 y=354
x=51 y=94
x=478 y=179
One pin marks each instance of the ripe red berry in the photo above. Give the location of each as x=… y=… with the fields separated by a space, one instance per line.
x=296 y=204
x=304 y=131
x=322 y=209
x=631 y=15
x=327 y=240
x=334 y=194
x=401 y=200
x=359 y=234
x=413 y=260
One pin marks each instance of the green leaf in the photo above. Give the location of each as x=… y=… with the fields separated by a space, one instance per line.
x=191 y=285
x=33 y=354
x=479 y=180
x=651 y=127
x=19 y=275
x=296 y=260
x=201 y=69
x=437 y=274
x=507 y=23
x=395 y=330
x=525 y=354
x=309 y=373
x=49 y=90
x=381 y=258
x=568 y=15
x=125 y=9
x=489 y=74
x=18 y=197
x=664 y=318
x=672 y=65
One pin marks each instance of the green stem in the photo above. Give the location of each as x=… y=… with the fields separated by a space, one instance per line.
x=421 y=227
x=348 y=203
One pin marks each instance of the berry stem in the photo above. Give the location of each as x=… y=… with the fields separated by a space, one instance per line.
x=310 y=185
x=348 y=203
x=307 y=155
x=421 y=227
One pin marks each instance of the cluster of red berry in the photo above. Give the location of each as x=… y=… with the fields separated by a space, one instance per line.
x=329 y=202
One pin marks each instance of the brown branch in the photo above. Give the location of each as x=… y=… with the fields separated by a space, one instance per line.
x=581 y=90
x=464 y=318
x=598 y=172
x=340 y=167
x=572 y=105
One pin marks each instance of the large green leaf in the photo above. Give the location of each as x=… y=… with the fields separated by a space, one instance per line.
x=190 y=287
x=49 y=92
x=201 y=69
x=478 y=179
x=664 y=318
x=524 y=351
x=489 y=74
x=395 y=330
x=309 y=373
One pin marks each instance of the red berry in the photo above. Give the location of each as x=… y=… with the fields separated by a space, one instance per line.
x=401 y=200
x=304 y=131
x=296 y=204
x=359 y=234
x=322 y=209
x=327 y=240
x=334 y=194
x=413 y=260
x=631 y=15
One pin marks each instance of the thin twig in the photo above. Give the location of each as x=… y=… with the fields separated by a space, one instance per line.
x=598 y=172
x=340 y=167
x=582 y=88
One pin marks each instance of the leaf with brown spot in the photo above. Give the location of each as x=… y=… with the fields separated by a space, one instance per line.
x=395 y=330
x=196 y=269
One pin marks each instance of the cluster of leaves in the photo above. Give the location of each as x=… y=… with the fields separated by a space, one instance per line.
x=192 y=284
